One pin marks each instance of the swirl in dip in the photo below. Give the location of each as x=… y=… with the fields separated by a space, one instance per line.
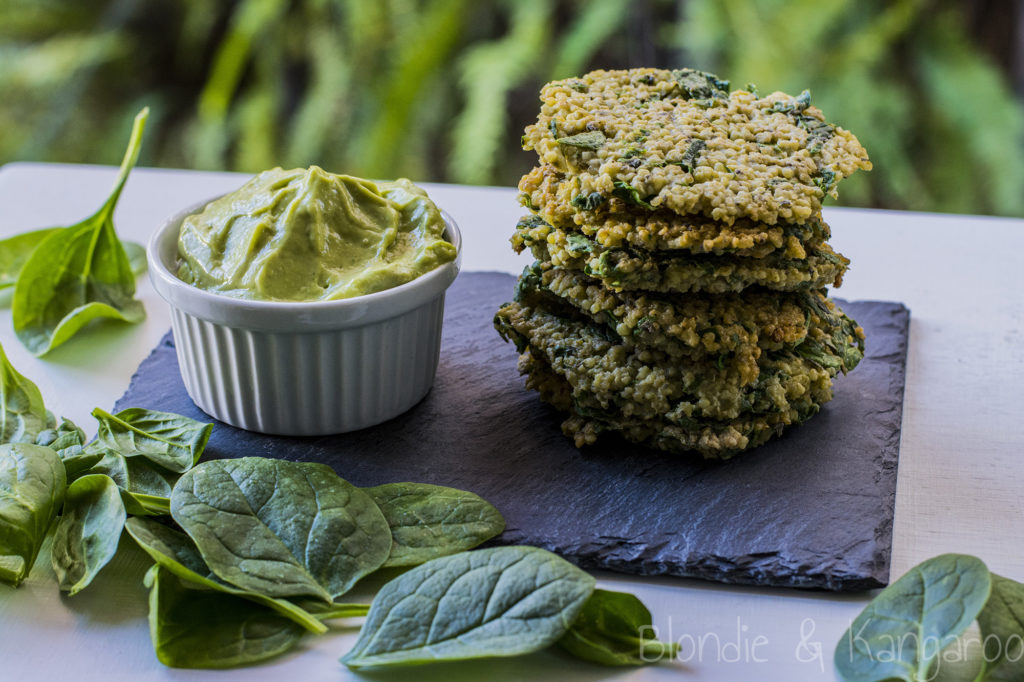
x=310 y=235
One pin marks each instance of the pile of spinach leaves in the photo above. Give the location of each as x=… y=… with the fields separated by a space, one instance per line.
x=251 y=554
x=66 y=277
x=902 y=633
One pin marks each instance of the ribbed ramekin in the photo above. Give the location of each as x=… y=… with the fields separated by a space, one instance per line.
x=303 y=369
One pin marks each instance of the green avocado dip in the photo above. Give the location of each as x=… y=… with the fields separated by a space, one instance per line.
x=310 y=235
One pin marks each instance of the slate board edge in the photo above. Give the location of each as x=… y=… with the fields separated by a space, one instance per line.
x=884 y=533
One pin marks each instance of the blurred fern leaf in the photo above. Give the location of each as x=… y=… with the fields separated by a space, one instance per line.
x=486 y=73
x=441 y=89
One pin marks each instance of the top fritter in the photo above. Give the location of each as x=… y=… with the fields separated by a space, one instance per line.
x=679 y=140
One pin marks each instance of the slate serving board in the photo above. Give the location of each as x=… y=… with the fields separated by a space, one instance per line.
x=812 y=509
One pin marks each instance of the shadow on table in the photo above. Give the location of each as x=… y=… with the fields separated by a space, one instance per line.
x=116 y=595
x=548 y=664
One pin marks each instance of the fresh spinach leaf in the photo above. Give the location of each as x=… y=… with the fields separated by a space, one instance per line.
x=88 y=531
x=136 y=254
x=78 y=274
x=32 y=483
x=504 y=601
x=337 y=610
x=135 y=474
x=23 y=416
x=78 y=462
x=900 y=634
x=592 y=140
x=169 y=440
x=15 y=251
x=64 y=438
x=145 y=487
x=203 y=629
x=284 y=529
x=69 y=442
x=429 y=521
x=614 y=628
x=1002 y=632
x=139 y=504
x=176 y=552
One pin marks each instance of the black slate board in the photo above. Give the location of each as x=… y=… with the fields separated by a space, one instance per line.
x=811 y=509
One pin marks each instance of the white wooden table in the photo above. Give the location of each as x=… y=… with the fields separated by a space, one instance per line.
x=960 y=473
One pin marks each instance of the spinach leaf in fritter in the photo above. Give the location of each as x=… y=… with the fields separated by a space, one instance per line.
x=700 y=85
x=588 y=202
x=692 y=154
x=591 y=141
x=630 y=194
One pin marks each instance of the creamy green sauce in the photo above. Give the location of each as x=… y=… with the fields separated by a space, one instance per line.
x=310 y=235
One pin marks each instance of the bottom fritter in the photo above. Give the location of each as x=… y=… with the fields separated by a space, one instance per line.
x=711 y=438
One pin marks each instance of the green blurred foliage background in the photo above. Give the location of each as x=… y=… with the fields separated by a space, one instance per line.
x=441 y=89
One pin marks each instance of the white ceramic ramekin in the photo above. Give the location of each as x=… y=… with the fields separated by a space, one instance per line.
x=303 y=369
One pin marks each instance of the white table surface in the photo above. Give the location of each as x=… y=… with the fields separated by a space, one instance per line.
x=960 y=472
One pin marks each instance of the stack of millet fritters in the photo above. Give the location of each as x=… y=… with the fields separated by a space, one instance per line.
x=679 y=295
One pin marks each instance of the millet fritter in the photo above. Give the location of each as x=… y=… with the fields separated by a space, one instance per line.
x=615 y=223
x=679 y=296
x=610 y=375
x=673 y=432
x=679 y=140
x=813 y=267
x=723 y=329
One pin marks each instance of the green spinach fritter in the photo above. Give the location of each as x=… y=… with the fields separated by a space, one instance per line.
x=680 y=140
x=679 y=294
x=673 y=432
x=631 y=268
x=615 y=223
x=723 y=329
x=615 y=378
